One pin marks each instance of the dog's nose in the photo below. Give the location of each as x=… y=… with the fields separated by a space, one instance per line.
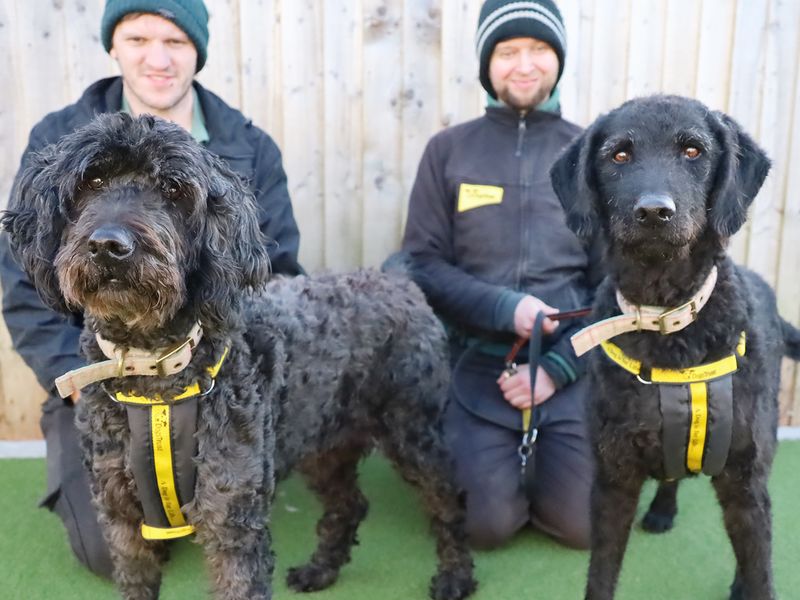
x=654 y=209
x=111 y=243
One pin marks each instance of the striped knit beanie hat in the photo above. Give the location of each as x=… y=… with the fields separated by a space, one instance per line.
x=190 y=16
x=505 y=19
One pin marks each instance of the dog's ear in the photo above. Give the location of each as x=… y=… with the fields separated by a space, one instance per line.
x=233 y=253
x=741 y=171
x=35 y=221
x=572 y=177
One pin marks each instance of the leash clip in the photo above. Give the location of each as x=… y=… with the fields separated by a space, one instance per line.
x=526 y=447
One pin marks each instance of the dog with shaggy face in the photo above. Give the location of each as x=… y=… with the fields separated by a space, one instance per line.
x=151 y=236
x=665 y=182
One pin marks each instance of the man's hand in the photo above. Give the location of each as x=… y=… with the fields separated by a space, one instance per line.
x=525 y=314
x=517 y=388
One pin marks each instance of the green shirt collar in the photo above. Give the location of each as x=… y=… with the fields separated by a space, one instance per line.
x=198 y=131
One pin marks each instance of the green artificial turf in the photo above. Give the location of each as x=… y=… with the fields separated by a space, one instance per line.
x=395 y=559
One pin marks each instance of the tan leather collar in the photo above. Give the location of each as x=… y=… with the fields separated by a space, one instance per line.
x=636 y=317
x=125 y=362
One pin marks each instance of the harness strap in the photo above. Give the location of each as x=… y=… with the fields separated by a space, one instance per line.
x=696 y=407
x=697 y=374
x=163 y=446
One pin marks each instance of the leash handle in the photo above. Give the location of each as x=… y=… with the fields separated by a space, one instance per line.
x=520 y=341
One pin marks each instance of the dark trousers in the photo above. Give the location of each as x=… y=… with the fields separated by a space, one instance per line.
x=488 y=468
x=68 y=493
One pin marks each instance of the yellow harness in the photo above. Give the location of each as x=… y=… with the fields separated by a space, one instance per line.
x=156 y=473
x=697 y=379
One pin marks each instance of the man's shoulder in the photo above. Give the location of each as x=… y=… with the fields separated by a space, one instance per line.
x=229 y=129
x=60 y=122
x=455 y=134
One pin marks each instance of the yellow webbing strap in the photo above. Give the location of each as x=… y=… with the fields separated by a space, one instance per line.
x=697 y=374
x=162 y=459
x=166 y=533
x=526 y=418
x=697 y=427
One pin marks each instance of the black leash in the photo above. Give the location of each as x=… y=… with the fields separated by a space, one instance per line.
x=526 y=447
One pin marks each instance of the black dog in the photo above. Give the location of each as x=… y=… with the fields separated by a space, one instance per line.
x=665 y=182
x=132 y=222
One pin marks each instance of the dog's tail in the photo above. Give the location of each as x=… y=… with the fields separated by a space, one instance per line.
x=791 y=340
x=398 y=263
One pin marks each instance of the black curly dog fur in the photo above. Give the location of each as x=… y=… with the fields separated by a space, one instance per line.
x=146 y=232
x=666 y=182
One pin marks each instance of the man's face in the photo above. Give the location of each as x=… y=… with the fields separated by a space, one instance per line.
x=157 y=60
x=523 y=71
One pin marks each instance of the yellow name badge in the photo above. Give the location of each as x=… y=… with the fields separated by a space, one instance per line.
x=473 y=196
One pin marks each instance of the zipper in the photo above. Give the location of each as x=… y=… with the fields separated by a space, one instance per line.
x=521 y=128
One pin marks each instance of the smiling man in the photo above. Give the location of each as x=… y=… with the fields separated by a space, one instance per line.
x=489 y=246
x=159 y=46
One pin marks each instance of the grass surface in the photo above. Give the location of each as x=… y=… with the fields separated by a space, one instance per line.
x=396 y=557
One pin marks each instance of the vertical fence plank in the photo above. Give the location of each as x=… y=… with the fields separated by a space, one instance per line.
x=681 y=40
x=744 y=102
x=421 y=69
x=646 y=48
x=221 y=71
x=609 y=54
x=382 y=129
x=781 y=57
x=462 y=96
x=259 y=73
x=302 y=114
x=86 y=59
x=788 y=281
x=343 y=133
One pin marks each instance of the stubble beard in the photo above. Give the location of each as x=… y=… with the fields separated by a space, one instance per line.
x=522 y=105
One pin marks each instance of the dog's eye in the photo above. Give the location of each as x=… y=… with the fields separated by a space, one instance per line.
x=691 y=152
x=96 y=183
x=621 y=157
x=171 y=190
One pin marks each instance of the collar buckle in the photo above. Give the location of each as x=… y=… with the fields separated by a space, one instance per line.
x=663 y=325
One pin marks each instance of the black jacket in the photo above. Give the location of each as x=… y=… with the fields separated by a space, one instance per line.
x=47 y=341
x=476 y=251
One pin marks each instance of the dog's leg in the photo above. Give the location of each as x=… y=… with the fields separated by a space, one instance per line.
x=747 y=515
x=137 y=562
x=613 y=507
x=660 y=516
x=235 y=484
x=417 y=449
x=333 y=477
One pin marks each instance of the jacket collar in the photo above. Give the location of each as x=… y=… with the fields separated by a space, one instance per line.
x=506 y=115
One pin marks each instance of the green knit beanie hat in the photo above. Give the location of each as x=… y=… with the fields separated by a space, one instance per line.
x=190 y=15
x=505 y=19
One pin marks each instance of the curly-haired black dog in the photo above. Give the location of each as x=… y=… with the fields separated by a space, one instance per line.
x=149 y=234
x=665 y=182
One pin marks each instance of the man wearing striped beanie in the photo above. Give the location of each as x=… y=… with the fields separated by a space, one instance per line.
x=489 y=246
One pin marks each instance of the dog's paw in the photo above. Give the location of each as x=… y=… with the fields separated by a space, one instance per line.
x=310 y=577
x=658 y=522
x=452 y=585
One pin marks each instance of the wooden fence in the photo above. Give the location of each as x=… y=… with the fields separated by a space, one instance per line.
x=352 y=90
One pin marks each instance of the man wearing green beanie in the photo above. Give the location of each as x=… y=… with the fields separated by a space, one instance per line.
x=488 y=244
x=159 y=45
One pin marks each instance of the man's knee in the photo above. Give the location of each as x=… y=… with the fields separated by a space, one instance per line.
x=83 y=531
x=492 y=524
